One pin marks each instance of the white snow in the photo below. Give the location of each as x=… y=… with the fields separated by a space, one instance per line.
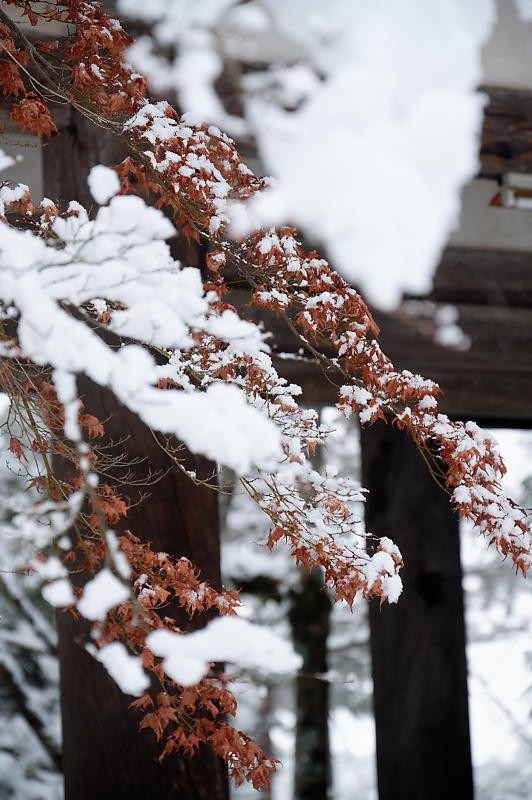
x=368 y=118
x=50 y=569
x=101 y=594
x=122 y=257
x=125 y=669
x=187 y=658
x=59 y=593
x=103 y=183
x=5 y=160
x=391 y=134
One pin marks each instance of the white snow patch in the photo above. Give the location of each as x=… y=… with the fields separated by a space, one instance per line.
x=103 y=183
x=101 y=594
x=125 y=669
x=59 y=593
x=187 y=657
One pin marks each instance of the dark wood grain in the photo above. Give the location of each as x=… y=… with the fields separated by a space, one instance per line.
x=418 y=645
x=483 y=277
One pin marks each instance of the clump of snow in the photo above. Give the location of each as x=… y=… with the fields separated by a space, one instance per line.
x=10 y=194
x=119 y=559
x=125 y=669
x=50 y=569
x=187 y=658
x=101 y=594
x=441 y=321
x=59 y=593
x=121 y=257
x=379 y=98
x=103 y=183
x=391 y=133
x=6 y=161
x=191 y=29
x=378 y=565
x=5 y=403
x=67 y=394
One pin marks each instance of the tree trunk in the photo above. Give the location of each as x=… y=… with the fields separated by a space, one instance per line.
x=418 y=645
x=104 y=755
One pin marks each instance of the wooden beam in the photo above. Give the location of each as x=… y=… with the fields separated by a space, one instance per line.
x=483 y=277
x=506 y=141
x=491 y=381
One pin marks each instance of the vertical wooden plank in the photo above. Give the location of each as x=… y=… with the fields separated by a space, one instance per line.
x=104 y=756
x=418 y=646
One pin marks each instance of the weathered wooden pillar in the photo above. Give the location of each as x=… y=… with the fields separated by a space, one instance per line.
x=310 y=614
x=418 y=645
x=104 y=755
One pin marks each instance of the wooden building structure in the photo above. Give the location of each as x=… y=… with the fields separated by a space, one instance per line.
x=418 y=647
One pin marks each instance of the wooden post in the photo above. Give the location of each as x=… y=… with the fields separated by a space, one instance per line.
x=104 y=755
x=418 y=645
x=310 y=622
